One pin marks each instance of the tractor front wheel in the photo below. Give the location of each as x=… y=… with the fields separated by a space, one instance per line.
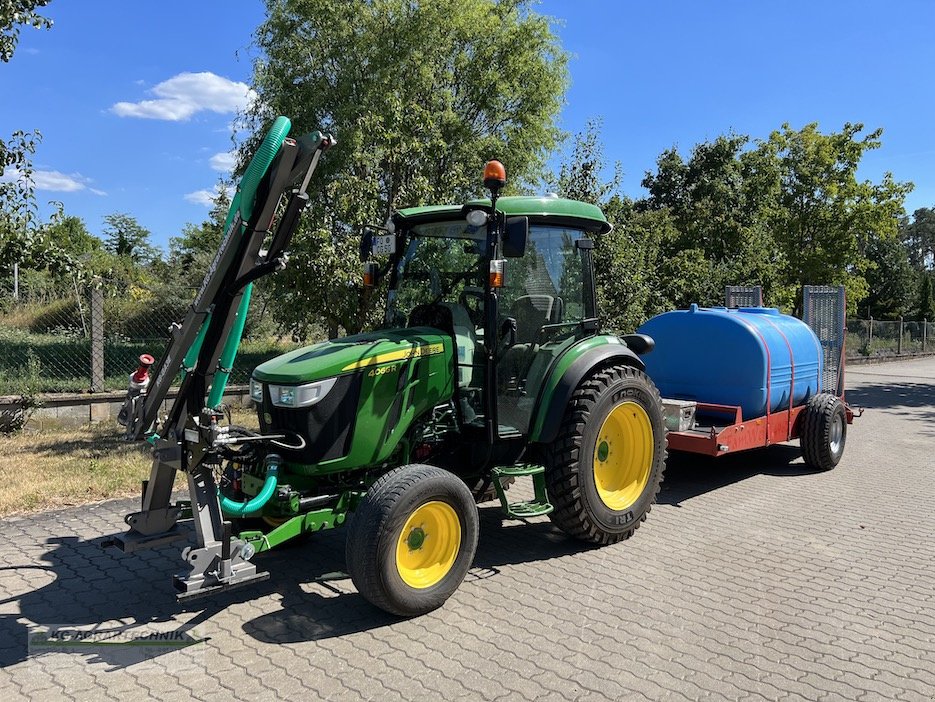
x=605 y=467
x=412 y=539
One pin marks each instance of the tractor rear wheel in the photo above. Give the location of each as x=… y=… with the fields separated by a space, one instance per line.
x=823 y=431
x=604 y=469
x=412 y=539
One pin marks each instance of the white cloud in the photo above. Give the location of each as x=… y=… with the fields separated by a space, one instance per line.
x=205 y=197
x=53 y=181
x=186 y=94
x=223 y=162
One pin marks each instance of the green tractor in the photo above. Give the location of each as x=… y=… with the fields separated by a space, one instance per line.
x=489 y=367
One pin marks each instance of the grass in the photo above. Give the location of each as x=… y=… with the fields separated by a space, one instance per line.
x=57 y=467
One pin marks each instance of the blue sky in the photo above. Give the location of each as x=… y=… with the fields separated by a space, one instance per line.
x=135 y=100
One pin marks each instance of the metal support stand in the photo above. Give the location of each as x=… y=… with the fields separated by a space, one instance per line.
x=223 y=561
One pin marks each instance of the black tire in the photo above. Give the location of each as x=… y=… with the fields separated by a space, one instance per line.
x=376 y=531
x=571 y=471
x=823 y=431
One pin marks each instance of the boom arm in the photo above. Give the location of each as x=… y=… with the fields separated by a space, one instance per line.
x=203 y=348
x=211 y=330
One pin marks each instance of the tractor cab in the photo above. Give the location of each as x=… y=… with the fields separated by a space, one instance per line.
x=511 y=284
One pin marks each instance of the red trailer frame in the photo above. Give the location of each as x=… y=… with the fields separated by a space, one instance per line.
x=740 y=435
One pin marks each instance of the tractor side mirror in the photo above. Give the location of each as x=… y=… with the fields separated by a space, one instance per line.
x=366 y=244
x=514 y=237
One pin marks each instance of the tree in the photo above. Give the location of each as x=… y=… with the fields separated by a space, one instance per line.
x=13 y=14
x=18 y=210
x=626 y=258
x=918 y=237
x=419 y=95
x=825 y=219
x=891 y=282
x=718 y=202
x=196 y=247
x=125 y=237
x=925 y=305
x=17 y=201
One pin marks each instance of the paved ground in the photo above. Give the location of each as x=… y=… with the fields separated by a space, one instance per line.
x=752 y=578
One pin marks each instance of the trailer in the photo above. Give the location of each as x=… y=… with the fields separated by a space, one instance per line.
x=816 y=413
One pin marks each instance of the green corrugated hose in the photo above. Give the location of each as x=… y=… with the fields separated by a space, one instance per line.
x=256 y=505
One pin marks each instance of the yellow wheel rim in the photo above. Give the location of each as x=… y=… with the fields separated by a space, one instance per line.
x=623 y=456
x=428 y=545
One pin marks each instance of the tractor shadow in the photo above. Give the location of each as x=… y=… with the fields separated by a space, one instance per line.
x=690 y=475
x=77 y=583
x=327 y=606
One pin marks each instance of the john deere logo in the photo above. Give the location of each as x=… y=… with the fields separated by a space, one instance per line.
x=400 y=355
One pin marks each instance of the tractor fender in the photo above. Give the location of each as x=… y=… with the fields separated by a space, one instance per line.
x=566 y=374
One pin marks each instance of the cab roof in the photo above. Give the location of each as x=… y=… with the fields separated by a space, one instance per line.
x=542 y=210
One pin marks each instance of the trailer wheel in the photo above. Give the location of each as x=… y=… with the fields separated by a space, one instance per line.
x=412 y=539
x=604 y=469
x=823 y=431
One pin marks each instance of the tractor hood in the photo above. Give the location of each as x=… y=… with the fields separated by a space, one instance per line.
x=353 y=353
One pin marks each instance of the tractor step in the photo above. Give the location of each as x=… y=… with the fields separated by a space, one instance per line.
x=526 y=509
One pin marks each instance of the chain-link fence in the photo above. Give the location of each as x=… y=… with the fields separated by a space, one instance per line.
x=873 y=337
x=90 y=343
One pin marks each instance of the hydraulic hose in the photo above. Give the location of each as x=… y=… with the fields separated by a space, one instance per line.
x=232 y=508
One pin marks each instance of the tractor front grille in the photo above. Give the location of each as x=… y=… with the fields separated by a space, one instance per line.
x=327 y=426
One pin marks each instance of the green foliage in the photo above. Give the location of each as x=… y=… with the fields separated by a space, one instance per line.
x=781 y=213
x=719 y=202
x=419 y=95
x=825 y=218
x=628 y=265
x=13 y=14
x=18 y=208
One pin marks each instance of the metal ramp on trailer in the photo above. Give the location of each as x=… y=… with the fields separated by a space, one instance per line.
x=823 y=309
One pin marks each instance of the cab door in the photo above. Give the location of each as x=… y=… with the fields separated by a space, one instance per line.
x=549 y=294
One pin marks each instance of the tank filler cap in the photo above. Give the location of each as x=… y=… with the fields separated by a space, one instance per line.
x=693 y=307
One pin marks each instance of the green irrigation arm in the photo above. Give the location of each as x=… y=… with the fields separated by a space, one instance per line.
x=256 y=505
x=245 y=200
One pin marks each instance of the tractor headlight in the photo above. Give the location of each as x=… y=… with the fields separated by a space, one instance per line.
x=256 y=390
x=301 y=395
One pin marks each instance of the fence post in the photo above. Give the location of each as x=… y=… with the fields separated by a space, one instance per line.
x=925 y=328
x=870 y=336
x=97 y=340
x=899 y=344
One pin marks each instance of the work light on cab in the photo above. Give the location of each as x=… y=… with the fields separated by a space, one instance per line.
x=476 y=218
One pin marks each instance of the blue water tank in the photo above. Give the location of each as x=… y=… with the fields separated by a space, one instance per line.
x=724 y=356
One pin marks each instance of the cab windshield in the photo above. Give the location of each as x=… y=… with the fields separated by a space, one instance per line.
x=442 y=263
